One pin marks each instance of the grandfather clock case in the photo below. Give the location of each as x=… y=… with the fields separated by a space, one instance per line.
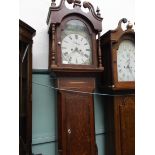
x=75 y=61
x=118 y=80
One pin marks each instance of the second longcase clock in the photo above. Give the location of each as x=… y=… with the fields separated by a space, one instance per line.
x=75 y=61
x=118 y=49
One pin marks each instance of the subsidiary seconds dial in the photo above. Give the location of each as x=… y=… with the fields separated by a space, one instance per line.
x=76 y=50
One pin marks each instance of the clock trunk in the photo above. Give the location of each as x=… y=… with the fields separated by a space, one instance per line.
x=120 y=126
x=76 y=117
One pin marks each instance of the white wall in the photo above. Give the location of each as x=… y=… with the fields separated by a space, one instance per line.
x=34 y=13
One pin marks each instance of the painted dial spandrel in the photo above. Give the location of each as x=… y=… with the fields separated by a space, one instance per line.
x=126 y=61
x=76 y=44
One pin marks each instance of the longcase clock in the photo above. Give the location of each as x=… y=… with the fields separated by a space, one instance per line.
x=118 y=51
x=75 y=61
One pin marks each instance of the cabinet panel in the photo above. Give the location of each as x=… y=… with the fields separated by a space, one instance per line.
x=78 y=124
x=26 y=34
x=127 y=124
x=120 y=125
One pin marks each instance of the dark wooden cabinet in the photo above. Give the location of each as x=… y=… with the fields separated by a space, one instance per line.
x=26 y=34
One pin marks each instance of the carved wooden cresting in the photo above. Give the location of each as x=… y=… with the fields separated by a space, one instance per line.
x=75 y=82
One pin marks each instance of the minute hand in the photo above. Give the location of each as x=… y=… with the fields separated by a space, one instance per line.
x=76 y=43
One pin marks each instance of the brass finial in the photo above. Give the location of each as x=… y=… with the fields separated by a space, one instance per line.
x=129 y=26
x=77 y=3
x=98 y=11
x=70 y=1
x=53 y=3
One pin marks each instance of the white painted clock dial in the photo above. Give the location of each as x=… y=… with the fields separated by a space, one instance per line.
x=76 y=50
x=126 y=61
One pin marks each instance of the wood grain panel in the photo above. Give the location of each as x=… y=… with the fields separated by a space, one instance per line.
x=78 y=121
x=127 y=125
x=76 y=117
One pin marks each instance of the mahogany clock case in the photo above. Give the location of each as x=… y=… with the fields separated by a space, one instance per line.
x=110 y=42
x=76 y=127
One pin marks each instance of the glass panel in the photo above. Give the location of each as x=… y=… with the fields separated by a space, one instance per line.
x=76 y=44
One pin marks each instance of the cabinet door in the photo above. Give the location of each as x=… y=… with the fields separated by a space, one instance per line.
x=26 y=34
x=127 y=125
x=25 y=103
x=80 y=132
x=120 y=116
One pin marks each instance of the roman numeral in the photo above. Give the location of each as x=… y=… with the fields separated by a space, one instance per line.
x=87 y=49
x=76 y=36
x=70 y=59
x=65 y=53
x=86 y=44
x=86 y=55
x=65 y=34
x=70 y=37
x=65 y=41
x=76 y=61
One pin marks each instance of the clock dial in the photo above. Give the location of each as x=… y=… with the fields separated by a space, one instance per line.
x=76 y=44
x=76 y=50
x=126 y=61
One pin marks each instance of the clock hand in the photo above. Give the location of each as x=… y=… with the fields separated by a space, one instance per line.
x=76 y=61
x=80 y=52
x=74 y=51
x=70 y=58
x=64 y=58
x=76 y=43
x=131 y=72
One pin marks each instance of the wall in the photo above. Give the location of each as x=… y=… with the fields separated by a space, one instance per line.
x=34 y=13
x=44 y=137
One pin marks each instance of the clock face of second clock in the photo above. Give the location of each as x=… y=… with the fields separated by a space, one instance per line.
x=76 y=44
x=126 y=61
